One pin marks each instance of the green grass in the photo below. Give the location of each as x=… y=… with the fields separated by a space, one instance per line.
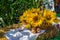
x=56 y=38
x=58 y=14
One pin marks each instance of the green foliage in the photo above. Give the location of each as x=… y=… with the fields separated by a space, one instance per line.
x=10 y=10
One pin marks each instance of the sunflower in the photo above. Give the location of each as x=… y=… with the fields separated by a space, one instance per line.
x=35 y=17
x=49 y=15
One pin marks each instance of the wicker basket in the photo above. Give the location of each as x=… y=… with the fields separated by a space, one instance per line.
x=48 y=34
